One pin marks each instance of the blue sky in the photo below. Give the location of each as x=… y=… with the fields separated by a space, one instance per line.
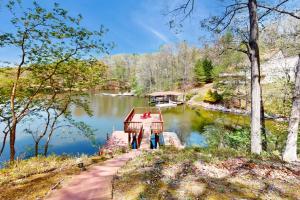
x=135 y=26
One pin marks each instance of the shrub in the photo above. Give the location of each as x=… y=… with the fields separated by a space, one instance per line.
x=218 y=135
x=239 y=139
x=212 y=97
x=188 y=96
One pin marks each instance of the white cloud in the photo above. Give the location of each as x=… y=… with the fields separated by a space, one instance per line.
x=154 y=31
x=158 y=34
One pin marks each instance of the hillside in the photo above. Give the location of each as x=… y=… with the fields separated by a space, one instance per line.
x=196 y=173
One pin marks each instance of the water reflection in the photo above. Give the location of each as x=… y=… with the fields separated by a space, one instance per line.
x=109 y=113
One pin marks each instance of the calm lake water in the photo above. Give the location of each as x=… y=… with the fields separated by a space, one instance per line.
x=108 y=115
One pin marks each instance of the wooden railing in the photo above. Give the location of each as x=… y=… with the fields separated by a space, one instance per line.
x=131 y=126
x=158 y=127
x=134 y=126
x=130 y=115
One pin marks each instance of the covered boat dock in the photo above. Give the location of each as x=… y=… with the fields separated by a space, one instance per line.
x=166 y=97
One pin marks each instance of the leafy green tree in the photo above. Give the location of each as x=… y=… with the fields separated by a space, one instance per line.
x=46 y=40
x=204 y=71
x=65 y=88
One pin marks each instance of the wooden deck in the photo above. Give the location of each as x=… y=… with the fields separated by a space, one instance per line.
x=135 y=124
x=134 y=121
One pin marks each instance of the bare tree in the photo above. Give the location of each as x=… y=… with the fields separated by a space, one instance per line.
x=169 y=68
x=290 y=151
x=234 y=16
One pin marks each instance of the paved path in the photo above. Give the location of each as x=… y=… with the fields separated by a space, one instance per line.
x=95 y=183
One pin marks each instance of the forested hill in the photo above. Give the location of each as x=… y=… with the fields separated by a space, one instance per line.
x=167 y=69
x=173 y=65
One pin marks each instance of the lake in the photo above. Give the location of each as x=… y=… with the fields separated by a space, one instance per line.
x=108 y=115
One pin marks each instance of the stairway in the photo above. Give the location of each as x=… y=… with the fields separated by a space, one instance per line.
x=145 y=144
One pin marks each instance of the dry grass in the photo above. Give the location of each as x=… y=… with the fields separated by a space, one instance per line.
x=34 y=178
x=197 y=174
x=36 y=186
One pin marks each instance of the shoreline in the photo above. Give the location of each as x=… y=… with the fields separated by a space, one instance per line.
x=220 y=108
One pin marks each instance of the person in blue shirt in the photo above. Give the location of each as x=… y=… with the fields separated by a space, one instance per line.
x=134 y=142
x=153 y=143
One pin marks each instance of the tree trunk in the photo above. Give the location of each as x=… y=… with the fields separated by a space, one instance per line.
x=12 y=139
x=263 y=126
x=290 y=151
x=255 y=80
x=36 y=148
x=246 y=92
x=12 y=133
x=51 y=132
x=47 y=144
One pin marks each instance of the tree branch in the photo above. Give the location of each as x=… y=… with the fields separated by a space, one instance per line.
x=276 y=9
x=189 y=4
x=6 y=131
x=230 y=12
x=269 y=11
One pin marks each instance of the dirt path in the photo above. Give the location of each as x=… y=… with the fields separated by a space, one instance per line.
x=95 y=183
x=202 y=90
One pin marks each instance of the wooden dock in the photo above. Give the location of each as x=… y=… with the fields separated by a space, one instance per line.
x=119 y=138
x=135 y=120
x=139 y=125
